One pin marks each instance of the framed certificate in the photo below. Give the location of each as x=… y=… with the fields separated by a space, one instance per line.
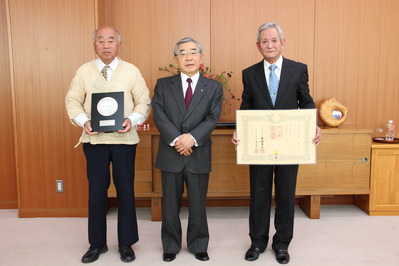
x=107 y=111
x=276 y=136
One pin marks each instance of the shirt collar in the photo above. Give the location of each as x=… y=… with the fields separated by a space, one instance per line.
x=278 y=63
x=113 y=65
x=194 y=78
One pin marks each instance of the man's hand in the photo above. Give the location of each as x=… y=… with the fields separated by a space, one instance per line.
x=234 y=139
x=183 y=144
x=317 y=138
x=187 y=153
x=127 y=125
x=87 y=128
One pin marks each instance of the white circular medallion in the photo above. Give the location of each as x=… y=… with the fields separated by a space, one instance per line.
x=107 y=106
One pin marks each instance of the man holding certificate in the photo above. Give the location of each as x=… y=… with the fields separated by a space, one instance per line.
x=275 y=83
x=115 y=86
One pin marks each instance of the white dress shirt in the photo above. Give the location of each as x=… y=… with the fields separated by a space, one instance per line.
x=277 y=71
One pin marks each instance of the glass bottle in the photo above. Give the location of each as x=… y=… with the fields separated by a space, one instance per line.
x=390 y=131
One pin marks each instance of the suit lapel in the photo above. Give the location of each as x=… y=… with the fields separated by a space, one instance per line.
x=285 y=78
x=261 y=80
x=177 y=90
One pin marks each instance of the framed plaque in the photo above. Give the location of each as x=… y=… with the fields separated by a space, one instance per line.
x=107 y=111
x=276 y=136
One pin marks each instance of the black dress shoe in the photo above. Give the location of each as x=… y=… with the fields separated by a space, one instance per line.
x=169 y=256
x=93 y=253
x=202 y=256
x=282 y=256
x=253 y=253
x=127 y=253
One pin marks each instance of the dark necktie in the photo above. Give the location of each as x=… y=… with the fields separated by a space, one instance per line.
x=104 y=72
x=189 y=93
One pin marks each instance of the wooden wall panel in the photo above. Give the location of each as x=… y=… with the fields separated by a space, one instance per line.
x=234 y=35
x=51 y=39
x=350 y=48
x=356 y=58
x=322 y=34
x=150 y=30
x=8 y=180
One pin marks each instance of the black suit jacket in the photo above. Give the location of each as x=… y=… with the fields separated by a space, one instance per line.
x=172 y=119
x=293 y=90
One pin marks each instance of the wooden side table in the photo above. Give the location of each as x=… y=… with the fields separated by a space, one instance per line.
x=384 y=181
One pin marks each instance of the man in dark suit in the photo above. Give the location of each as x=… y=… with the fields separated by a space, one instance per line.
x=186 y=109
x=291 y=92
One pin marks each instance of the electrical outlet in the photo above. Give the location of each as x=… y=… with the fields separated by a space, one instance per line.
x=59 y=185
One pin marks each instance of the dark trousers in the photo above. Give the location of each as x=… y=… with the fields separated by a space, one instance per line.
x=197 y=229
x=261 y=184
x=99 y=158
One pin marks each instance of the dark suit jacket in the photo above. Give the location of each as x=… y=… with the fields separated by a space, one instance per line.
x=172 y=119
x=293 y=90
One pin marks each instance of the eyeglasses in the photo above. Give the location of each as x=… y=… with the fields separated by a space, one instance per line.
x=184 y=53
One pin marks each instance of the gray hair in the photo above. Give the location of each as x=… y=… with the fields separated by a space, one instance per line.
x=184 y=40
x=270 y=25
x=118 y=35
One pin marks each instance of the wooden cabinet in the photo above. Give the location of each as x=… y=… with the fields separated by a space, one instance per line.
x=342 y=168
x=343 y=164
x=384 y=182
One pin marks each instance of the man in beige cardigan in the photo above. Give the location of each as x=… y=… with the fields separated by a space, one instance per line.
x=108 y=73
